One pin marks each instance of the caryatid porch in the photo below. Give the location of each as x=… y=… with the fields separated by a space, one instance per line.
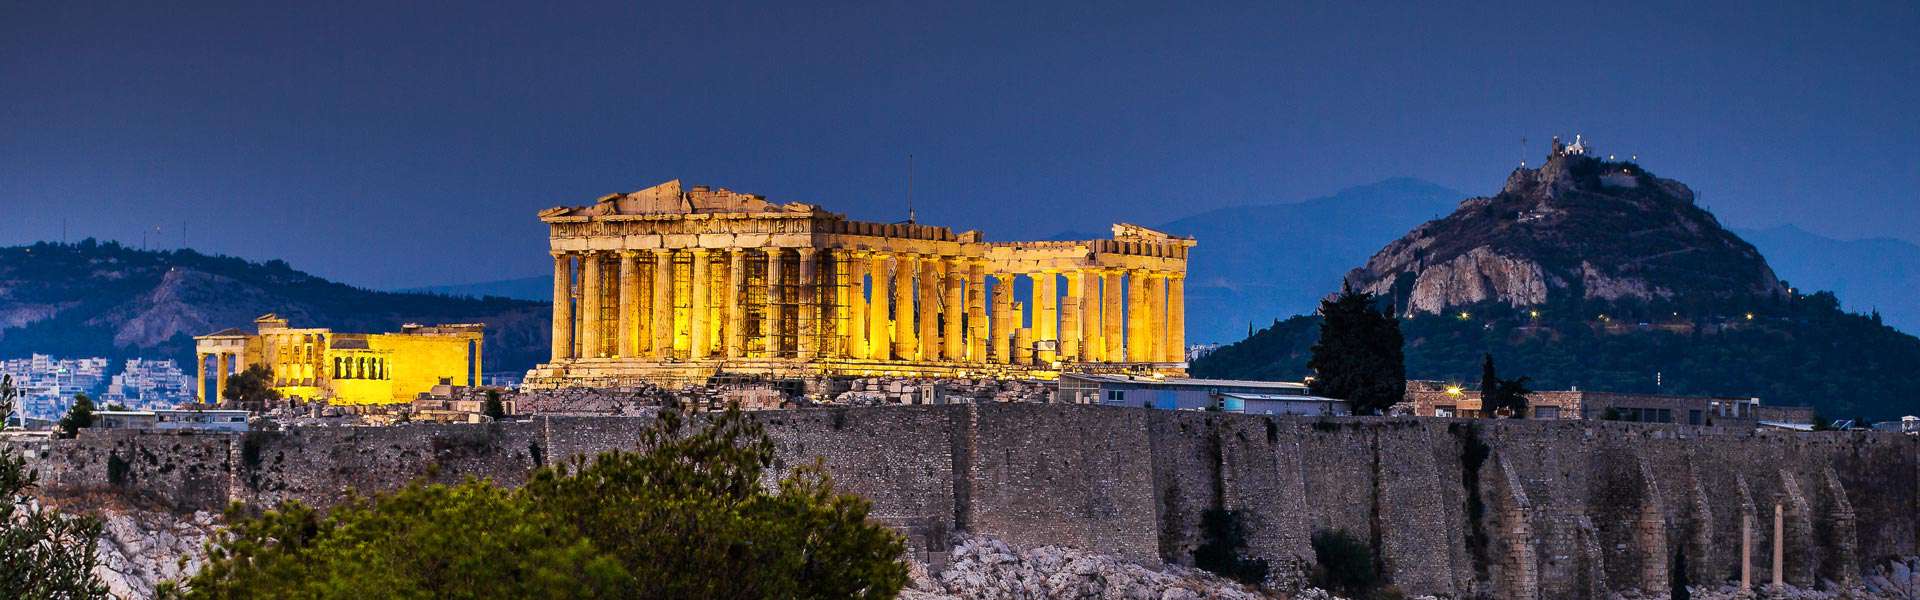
x=667 y=285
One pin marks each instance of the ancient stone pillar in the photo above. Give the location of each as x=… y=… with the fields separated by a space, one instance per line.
x=1071 y=337
x=735 y=328
x=1046 y=312
x=808 y=304
x=906 y=345
x=590 y=305
x=1002 y=318
x=955 y=276
x=562 y=306
x=1156 y=316
x=929 y=308
x=976 y=311
x=1022 y=340
x=776 y=300
x=1176 y=318
x=1139 y=346
x=879 y=312
x=1111 y=312
x=857 y=330
x=663 y=326
x=629 y=313
x=221 y=369
x=200 y=377
x=1092 y=346
x=697 y=305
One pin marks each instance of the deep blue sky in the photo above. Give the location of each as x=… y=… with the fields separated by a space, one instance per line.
x=392 y=144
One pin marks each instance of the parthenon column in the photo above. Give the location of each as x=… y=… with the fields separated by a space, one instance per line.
x=976 y=311
x=1139 y=347
x=1070 y=333
x=1003 y=324
x=906 y=345
x=590 y=305
x=735 y=302
x=857 y=346
x=1176 y=318
x=629 y=319
x=1046 y=311
x=770 y=326
x=929 y=308
x=662 y=327
x=955 y=276
x=880 y=327
x=1091 y=348
x=808 y=339
x=1157 y=316
x=200 y=377
x=697 y=305
x=562 y=306
x=1110 y=310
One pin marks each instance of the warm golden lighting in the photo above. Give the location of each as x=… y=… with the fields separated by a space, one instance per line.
x=1454 y=390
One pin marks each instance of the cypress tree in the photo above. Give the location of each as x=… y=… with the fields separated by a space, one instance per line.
x=1359 y=357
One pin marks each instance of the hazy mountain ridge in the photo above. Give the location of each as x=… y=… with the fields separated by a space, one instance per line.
x=103 y=299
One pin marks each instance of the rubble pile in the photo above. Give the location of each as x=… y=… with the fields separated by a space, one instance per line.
x=900 y=390
x=985 y=568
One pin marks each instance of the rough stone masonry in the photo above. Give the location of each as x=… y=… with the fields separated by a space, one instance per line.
x=1507 y=509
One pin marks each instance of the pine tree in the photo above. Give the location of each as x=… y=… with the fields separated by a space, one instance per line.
x=1498 y=394
x=493 y=408
x=1359 y=357
x=80 y=416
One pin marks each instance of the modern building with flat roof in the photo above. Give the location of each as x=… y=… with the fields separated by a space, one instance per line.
x=1229 y=395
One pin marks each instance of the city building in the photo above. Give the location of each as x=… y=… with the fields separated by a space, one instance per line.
x=172 y=419
x=1442 y=399
x=47 y=385
x=1228 y=395
x=148 y=383
x=672 y=285
x=342 y=368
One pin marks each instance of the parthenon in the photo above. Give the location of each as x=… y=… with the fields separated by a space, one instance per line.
x=673 y=285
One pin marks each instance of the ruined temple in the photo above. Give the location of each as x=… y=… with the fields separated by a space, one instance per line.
x=673 y=285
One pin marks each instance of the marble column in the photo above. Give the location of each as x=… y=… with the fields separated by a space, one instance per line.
x=1157 y=316
x=1176 y=318
x=736 y=303
x=808 y=305
x=1022 y=339
x=629 y=314
x=857 y=311
x=929 y=308
x=200 y=377
x=906 y=342
x=1139 y=348
x=955 y=276
x=590 y=305
x=776 y=301
x=879 y=310
x=976 y=311
x=1046 y=312
x=697 y=305
x=1072 y=347
x=562 y=306
x=221 y=369
x=1092 y=349
x=1111 y=313
x=1003 y=324
x=662 y=327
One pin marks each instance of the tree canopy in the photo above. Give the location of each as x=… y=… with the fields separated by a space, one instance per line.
x=78 y=417
x=1501 y=397
x=43 y=553
x=684 y=516
x=253 y=385
x=1359 y=355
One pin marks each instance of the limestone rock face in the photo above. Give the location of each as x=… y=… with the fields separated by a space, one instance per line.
x=1577 y=227
x=140 y=549
x=986 y=568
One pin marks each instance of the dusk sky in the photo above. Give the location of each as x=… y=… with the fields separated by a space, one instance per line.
x=393 y=144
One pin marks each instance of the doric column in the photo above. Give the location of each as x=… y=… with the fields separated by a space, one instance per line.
x=976 y=311
x=590 y=305
x=906 y=342
x=629 y=304
x=221 y=368
x=200 y=377
x=856 y=286
x=736 y=327
x=1176 y=318
x=697 y=305
x=562 y=306
x=808 y=304
x=1022 y=339
x=1046 y=312
x=954 y=348
x=1071 y=346
x=879 y=317
x=662 y=326
x=1139 y=347
x=1157 y=316
x=1091 y=347
x=776 y=299
x=1003 y=324
x=1111 y=313
x=929 y=308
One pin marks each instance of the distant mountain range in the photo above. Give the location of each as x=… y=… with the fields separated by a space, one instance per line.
x=1869 y=275
x=104 y=299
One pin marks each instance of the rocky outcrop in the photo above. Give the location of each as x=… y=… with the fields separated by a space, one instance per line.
x=985 y=568
x=139 y=549
x=1577 y=227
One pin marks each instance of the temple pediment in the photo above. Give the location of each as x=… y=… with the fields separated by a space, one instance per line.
x=672 y=198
